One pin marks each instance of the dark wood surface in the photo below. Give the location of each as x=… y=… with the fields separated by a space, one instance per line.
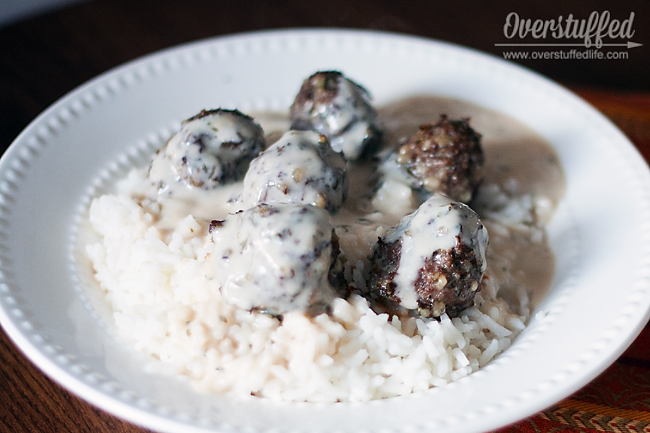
x=44 y=57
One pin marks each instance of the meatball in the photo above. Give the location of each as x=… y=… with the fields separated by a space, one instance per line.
x=212 y=148
x=301 y=167
x=432 y=263
x=445 y=157
x=339 y=108
x=277 y=259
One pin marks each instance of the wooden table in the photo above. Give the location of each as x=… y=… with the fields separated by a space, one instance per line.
x=44 y=57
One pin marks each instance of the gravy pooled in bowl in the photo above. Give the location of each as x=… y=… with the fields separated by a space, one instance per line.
x=270 y=289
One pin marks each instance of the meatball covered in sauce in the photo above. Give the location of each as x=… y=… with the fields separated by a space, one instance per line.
x=277 y=259
x=301 y=167
x=339 y=108
x=432 y=263
x=212 y=148
x=445 y=157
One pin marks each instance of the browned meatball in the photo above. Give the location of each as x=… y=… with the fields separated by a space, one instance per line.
x=432 y=263
x=212 y=148
x=445 y=157
x=277 y=258
x=340 y=109
x=300 y=167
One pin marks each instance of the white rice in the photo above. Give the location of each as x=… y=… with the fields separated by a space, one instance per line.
x=165 y=306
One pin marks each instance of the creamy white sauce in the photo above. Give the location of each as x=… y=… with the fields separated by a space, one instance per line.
x=517 y=161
